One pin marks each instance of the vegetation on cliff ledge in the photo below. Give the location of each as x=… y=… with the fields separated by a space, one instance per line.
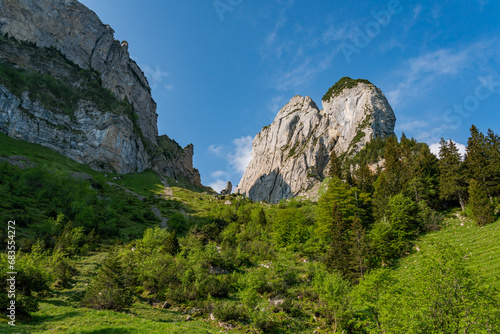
x=344 y=83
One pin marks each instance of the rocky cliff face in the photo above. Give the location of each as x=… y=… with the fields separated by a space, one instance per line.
x=80 y=35
x=290 y=157
x=66 y=41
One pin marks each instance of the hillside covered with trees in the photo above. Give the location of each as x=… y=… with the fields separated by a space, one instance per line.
x=398 y=242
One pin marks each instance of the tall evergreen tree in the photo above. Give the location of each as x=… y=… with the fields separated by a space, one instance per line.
x=423 y=177
x=358 y=250
x=493 y=166
x=452 y=183
x=381 y=196
x=335 y=166
x=364 y=178
x=393 y=167
x=483 y=211
x=338 y=256
x=476 y=159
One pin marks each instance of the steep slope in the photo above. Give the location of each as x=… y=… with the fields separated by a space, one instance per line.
x=67 y=84
x=290 y=156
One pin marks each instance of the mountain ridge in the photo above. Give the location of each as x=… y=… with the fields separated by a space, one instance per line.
x=59 y=50
x=290 y=157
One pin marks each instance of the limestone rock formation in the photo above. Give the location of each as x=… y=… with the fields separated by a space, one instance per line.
x=228 y=189
x=290 y=157
x=78 y=33
x=73 y=88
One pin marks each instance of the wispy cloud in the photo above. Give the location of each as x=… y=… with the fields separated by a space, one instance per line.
x=242 y=153
x=276 y=104
x=305 y=72
x=412 y=125
x=217 y=150
x=482 y=4
x=237 y=156
x=218 y=185
x=421 y=72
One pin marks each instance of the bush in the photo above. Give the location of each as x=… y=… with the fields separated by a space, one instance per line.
x=225 y=311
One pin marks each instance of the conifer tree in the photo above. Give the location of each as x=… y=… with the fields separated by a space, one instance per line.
x=358 y=250
x=364 y=178
x=493 y=166
x=335 y=166
x=381 y=196
x=392 y=166
x=476 y=159
x=338 y=256
x=483 y=211
x=452 y=183
x=108 y=290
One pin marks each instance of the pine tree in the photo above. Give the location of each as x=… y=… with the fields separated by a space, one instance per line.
x=358 y=250
x=335 y=166
x=338 y=256
x=393 y=167
x=108 y=290
x=381 y=196
x=493 y=166
x=476 y=159
x=364 y=178
x=423 y=184
x=483 y=211
x=452 y=183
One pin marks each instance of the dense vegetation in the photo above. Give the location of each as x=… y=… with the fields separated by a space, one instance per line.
x=344 y=83
x=384 y=250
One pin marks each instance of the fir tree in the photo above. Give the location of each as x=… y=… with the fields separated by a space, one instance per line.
x=476 y=159
x=335 y=166
x=358 y=250
x=338 y=256
x=364 y=178
x=392 y=166
x=108 y=290
x=493 y=166
x=483 y=211
x=451 y=179
x=381 y=196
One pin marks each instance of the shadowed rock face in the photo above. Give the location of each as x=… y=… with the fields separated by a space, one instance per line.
x=107 y=140
x=297 y=145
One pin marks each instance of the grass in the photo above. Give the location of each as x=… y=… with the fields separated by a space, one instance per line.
x=480 y=243
x=61 y=314
x=42 y=156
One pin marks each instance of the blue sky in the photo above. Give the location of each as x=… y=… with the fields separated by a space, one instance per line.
x=221 y=70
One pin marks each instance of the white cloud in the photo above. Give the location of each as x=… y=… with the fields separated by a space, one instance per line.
x=306 y=72
x=437 y=146
x=220 y=174
x=242 y=155
x=421 y=72
x=412 y=125
x=276 y=104
x=238 y=157
x=218 y=185
x=217 y=150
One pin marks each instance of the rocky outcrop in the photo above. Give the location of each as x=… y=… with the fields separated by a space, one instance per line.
x=290 y=157
x=173 y=161
x=78 y=33
x=104 y=141
x=228 y=189
x=67 y=84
